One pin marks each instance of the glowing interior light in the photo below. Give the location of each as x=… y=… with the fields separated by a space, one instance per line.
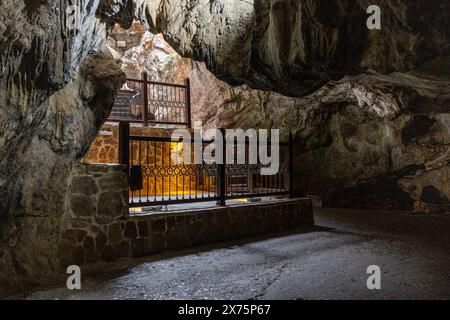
x=135 y=210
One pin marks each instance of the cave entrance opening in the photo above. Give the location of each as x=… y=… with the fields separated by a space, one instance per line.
x=154 y=101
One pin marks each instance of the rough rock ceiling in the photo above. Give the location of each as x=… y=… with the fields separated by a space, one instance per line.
x=295 y=47
x=56 y=88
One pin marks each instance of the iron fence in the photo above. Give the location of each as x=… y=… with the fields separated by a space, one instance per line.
x=151 y=102
x=158 y=176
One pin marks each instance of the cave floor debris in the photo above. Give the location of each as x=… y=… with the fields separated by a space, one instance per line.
x=325 y=262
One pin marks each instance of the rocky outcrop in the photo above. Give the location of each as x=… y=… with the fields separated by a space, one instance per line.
x=360 y=135
x=354 y=133
x=357 y=138
x=56 y=89
x=295 y=47
x=33 y=200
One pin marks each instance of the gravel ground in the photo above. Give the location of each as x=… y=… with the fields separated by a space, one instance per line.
x=325 y=262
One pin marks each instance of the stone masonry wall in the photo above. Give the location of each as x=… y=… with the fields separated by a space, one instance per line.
x=97 y=226
x=105 y=148
x=96 y=205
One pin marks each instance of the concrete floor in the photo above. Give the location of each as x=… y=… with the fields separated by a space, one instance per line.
x=327 y=262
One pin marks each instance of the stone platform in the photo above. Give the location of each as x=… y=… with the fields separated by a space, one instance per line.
x=99 y=228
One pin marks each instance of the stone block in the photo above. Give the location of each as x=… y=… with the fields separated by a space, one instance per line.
x=91 y=252
x=103 y=220
x=110 y=204
x=65 y=249
x=80 y=234
x=78 y=255
x=130 y=230
x=113 y=182
x=159 y=225
x=70 y=236
x=121 y=250
x=195 y=231
x=222 y=218
x=177 y=240
x=107 y=254
x=84 y=185
x=138 y=248
x=182 y=219
x=81 y=223
x=157 y=242
x=143 y=229
x=100 y=241
x=170 y=223
x=115 y=233
x=82 y=205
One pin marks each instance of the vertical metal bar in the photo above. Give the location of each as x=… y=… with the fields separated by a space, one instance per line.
x=128 y=175
x=158 y=101
x=124 y=144
x=155 y=150
x=171 y=105
x=166 y=100
x=222 y=173
x=145 y=93
x=178 y=105
x=147 y=166
x=162 y=167
x=152 y=98
x=278 y=181
x=140 y=163
x=291 y=164
x=176 y=168
x=169 y=167
x=124 y=149
x=187 y=83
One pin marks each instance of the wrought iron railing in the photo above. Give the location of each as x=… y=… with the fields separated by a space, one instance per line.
x=151 y=102
x=157 y=175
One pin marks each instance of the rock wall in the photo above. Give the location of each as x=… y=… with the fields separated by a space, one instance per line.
x=295 y=47
x=356 y=139
x=56 y=89
x=33 y=197
x=356 y=146
x=96 y=206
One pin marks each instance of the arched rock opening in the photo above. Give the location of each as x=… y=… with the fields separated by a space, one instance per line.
x=57 y=87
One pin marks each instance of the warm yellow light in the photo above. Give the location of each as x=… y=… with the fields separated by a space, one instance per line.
x=242 y=200
x=177 y=152
x=135 y=210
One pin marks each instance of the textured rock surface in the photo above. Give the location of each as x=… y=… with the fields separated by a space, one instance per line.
x=360 y=135
x=356 y=138
x=361 y=129
x=56 y=89
x=294 y=46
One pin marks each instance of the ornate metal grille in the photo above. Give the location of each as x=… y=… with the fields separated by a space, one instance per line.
x=151 y=102
x=159 y=177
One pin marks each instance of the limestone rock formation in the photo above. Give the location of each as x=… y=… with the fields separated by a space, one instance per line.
x=357 y=138
x=356 y=134
x=295 y=47
x=56 y=89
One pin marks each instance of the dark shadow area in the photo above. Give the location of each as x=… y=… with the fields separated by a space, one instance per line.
x=123 y=266
x=383 y=194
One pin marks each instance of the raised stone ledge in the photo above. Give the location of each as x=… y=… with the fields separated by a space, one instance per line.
x=90 y=240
